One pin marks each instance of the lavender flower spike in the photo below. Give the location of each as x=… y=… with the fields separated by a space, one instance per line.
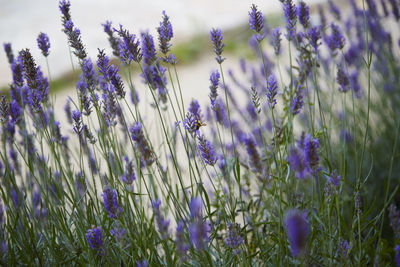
x=113 y=40
x=336 y=40
x=141 y=143
x=43 y=43
x=234 y=238
x=216 y=39
x=291 y=17
x=165 y=34
x=276 y=40
x=297 y=102
x=110 y=198
x=397 y=255
x=343 y=80
x=149 y=51
x=214 y=79
x=256 y=21
x=64 y=6
x=198 y=230
x=297 y=229
x=254 y=157
x=304 y=14
x=193 y=119
x=128 y=46
x=272 y=86
x=74 y=39
x=9 y=52
x=95 y=238
x=207 y=151
x=181 y=246
x=162 y=223
x=311 y=146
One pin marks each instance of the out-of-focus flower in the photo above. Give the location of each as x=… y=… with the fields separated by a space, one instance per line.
x=43 y=42
x=297 y=229
x=216 y=39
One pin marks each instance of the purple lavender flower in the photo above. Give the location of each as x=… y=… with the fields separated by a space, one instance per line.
x=141 y=143
x=148 y=49
x=344 y=247
x=181 y=245
x=251 y=110
x=95 y=238
x=314 y=35
x=335 y=178
x=43 y=43
x=67 y=109
x=110 y=198
x=77 y=121
x=142 y=263
x=322 y=16
x=193 y=120
x=207 y=151
x=298 y=163
x=171 y=59
x=198 y=230
x=17 y=74
x=74 y=39
x=128 y=46
x=311 y=146
x=355 y=85
x=255 y=162
x=40 y=210
x=134 y=96
x=162 y=224
x=3 y=247
x=165 y=34
x=214 y=79
x=80 y=183
x=30 y=70
x=256 y=21
x=272 y=87
x=15 y=111
x=113 y=40
x=220 y=112
x=17 y=197
x=343 y=80
x=336 y=40
x=89 y=75
x=335 y=10
x=234 y=238
x=196 y=207
x=297 y=229
x=110 y=106
x=276 y=40
x=118 y=232
x=9 y=52
x=397 y=255
x=4 y=109
x=64 y=6
x=129 y=173
x=297 y=102
x=155 y=76
x=216 y=39
x=303 y=12
x=289 y=10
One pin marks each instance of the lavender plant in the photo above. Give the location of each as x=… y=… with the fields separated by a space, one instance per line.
x=292 y=161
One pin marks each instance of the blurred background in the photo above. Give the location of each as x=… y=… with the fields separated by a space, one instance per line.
x=22 y=20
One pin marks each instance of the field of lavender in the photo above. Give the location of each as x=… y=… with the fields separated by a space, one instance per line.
x=292 y=162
